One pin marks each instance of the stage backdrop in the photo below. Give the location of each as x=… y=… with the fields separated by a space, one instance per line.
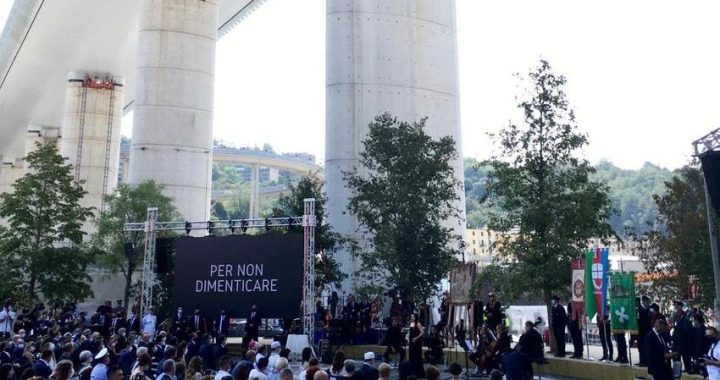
x=235 y=272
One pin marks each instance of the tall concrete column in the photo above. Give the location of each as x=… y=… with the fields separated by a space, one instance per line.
x=91 y=133
x=254 y=208
x=42 y=135
x=395 y=56
x=172 y=130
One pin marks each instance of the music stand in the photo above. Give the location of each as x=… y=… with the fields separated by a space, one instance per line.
x=467 y=346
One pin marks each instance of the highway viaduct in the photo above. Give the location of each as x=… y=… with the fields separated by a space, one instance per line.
x=71 y=68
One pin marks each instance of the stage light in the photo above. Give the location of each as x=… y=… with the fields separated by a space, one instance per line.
x=188 y=228
x=243 y=226
x=231 y=225
x=267 y=224
x=210 y=226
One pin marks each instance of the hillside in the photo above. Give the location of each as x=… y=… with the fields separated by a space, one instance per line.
x=631 y=192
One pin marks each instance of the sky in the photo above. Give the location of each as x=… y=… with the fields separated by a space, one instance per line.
x=643 y=76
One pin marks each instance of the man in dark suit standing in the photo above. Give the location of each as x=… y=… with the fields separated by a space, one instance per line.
x=196 y=322
x=116 y=323
x=252 y=326
x=221 y=325
x=368 y=370
x=643 y=319
x=133 y=323
x=178 y=324
x=658 y=352
x=559 y=321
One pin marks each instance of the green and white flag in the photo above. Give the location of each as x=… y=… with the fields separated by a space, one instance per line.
x=622 y=303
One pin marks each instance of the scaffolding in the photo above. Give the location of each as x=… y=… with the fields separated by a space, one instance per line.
x=151 y=227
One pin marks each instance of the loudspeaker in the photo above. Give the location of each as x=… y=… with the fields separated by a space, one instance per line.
x=164 y=255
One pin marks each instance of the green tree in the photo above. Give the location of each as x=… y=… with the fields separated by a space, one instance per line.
x=327 y=241
x=402 y=196
x=128 y=204
x=678 y=244
x=42 y=230
x=539 y=184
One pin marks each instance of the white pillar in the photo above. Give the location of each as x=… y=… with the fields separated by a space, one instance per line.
x=172 y=130
x=395 y=56
x=37 y=134
x=254 y=191
x=91 y=133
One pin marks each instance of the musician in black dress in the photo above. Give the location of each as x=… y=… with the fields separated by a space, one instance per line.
x=416 y=343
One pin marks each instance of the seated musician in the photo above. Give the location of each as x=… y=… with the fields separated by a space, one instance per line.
x=435 y=345
x=394 y=341
x=483 y=354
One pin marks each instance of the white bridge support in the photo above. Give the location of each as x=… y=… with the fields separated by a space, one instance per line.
x=172 y=130
x=386 y=56
x=91 y=134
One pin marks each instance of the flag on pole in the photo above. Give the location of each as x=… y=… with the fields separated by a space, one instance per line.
x=578 y=289
x=596 y=272
x=622 y=303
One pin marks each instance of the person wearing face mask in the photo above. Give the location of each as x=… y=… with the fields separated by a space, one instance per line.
x=712 y=359
x=196 y=322
x=178 y=324
x=221 y=325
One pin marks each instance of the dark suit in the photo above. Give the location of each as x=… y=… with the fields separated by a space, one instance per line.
x=655 y=349
x=42 y=369
x=178 y=325
x=196 y=323
x=252 y=326
x=574 y=325
x=221 y=325
x=133 y=324
x=116 y=324
x=368 y=372
x=559 y=321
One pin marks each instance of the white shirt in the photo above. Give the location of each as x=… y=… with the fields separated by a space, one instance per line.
x=272 y=360
x=220 y=374
x=714 y=371
x=148 y=324
x=256 y=374
x=6 y=320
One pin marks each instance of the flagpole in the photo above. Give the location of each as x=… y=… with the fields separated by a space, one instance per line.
x=587 y=336
x=629 y=349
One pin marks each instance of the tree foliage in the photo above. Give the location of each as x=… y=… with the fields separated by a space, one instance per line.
x=403 y=194
x=42 y=230
x=539 y=184
x=128 y=204
x=678 y=245
x=327 y=241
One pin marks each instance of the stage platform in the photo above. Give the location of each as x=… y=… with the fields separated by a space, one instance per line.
x=560 y=367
